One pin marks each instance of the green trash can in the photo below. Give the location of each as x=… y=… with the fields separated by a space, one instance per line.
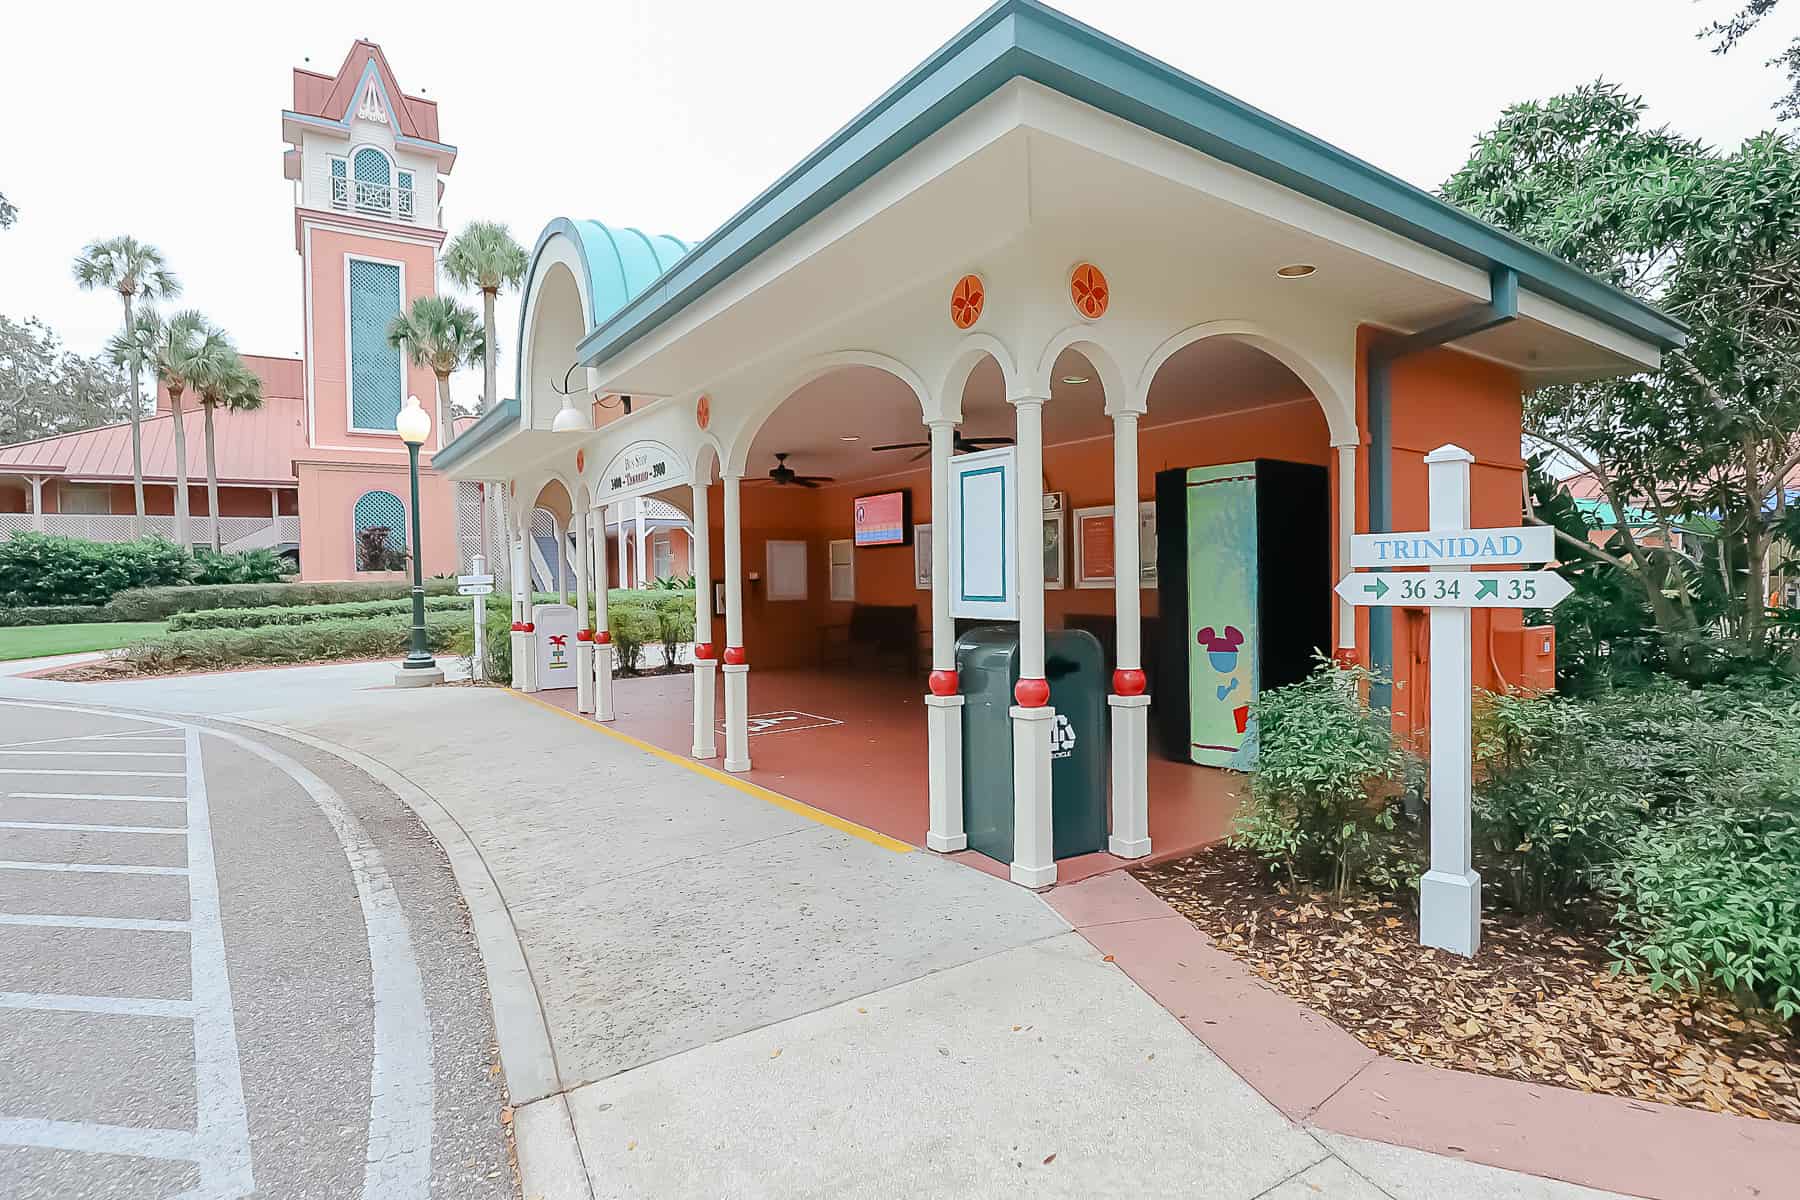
x=987 y=665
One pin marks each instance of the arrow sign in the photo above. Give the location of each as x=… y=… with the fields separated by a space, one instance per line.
x=1455 y=589
x=1454 y=547
x=475 y=589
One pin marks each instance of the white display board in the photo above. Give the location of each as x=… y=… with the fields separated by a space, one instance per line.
x=984 y=535
x=555 y=626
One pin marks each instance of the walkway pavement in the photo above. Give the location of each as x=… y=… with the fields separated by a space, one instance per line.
x=743 y=1001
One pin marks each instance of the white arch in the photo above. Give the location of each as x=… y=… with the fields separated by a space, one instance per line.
x=558 y=250
x=745 y=434
x=1080 y=337
x=1340 y=415
x=969 y=353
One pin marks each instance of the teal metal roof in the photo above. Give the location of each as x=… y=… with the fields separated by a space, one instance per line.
x=493 y=425
x=1023 y=39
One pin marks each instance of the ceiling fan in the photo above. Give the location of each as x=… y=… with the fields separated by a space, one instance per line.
x=963 y=445
x=782 y=475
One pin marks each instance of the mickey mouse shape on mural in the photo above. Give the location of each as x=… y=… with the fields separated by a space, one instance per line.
x=1222 y=651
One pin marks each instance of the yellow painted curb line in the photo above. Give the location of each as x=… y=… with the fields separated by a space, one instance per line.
x=749 y=789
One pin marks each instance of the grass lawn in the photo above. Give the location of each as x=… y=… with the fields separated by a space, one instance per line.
x=40 y=641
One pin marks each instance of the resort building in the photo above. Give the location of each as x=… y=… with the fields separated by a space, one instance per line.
x=1047 y=291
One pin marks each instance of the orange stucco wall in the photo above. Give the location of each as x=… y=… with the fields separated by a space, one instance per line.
x=328 y=496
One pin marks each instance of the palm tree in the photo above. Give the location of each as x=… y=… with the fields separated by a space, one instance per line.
x=441 y=333
x=221 y=378
x=485 y=256
x=169 y=349
x=132 y=269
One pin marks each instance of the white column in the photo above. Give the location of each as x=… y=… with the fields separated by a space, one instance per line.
x=37 y=501
x=530 y=670
x=706 y=658
x=584 y=632
x=943 y=700
x=624 y=564
x=1130 y=837
x=737 y=659
x=641 y=576
x=1034 y=860
x=1450 y=892
x=603 y=651
x=1346 y=506
x=274 y=502
x=560 y=536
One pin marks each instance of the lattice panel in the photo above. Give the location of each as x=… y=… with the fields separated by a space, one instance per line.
x=383 y=510
x=543 y=523
x=371 y=166
x=375 y=383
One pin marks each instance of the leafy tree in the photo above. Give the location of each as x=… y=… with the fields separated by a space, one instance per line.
x=1726 y=35
x=170 y=349
x=442 y=333
x=1712 y=238
x=46 y=390
x=9 y=212
x=221 y=379
x=485 y=256
x=133 y=269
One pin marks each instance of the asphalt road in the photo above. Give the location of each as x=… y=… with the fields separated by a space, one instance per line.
x=230 y=966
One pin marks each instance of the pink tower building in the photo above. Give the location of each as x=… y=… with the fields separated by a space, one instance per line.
x=318 y=471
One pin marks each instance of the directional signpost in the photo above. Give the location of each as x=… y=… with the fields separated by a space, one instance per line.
x=1452 y=584
x=480 y=585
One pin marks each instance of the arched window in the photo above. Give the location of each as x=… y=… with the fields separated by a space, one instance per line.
x=374 y=181
x=380 y=532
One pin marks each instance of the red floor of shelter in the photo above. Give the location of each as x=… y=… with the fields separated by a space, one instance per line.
x=854 y=746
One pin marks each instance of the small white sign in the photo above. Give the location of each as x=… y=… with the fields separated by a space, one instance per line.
x=475 y=589
x=1454 y=547
x=487 y=579
x=1455 y=589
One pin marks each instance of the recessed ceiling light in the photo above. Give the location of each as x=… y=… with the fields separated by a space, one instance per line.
x=1075 y=380
x=848 y=437
x=1296 y=270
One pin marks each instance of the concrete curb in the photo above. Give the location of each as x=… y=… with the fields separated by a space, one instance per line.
x=1323 y=1078
x=550 y=1160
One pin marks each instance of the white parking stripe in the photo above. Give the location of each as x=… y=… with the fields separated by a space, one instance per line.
x=96 y=753
x=400 y=1081
x=95 y=737
x=88 y=1138
x=222 y=1126
x=118 y=1006
x=68 y=828
x=95 y=868
x=60 y=921
x=51 y=771
x=93 y=796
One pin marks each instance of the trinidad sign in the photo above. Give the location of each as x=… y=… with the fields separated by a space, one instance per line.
x=1450 y=892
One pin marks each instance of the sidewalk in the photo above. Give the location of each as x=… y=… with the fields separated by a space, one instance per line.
x=739 y=1000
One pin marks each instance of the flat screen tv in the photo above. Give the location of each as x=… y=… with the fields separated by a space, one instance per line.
x=884 y=519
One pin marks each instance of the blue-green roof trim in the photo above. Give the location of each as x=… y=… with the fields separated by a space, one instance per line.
x=1024 y=39
x=494 y=424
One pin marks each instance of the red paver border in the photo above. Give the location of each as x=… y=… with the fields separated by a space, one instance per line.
x=1320 y=1076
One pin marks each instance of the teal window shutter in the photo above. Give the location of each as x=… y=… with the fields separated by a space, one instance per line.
x=375 y=379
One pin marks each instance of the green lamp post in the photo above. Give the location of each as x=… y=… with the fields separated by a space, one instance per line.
x=420 y=669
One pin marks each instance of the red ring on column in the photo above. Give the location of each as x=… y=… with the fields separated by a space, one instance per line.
x=703 y=651
x=1346 y=656
x=943 y=683
x=1032 y=693
x=735 y=656
x=584 y=635
x=517 y=627
x=528 y=627
x=1129 y=681
x=603 y=637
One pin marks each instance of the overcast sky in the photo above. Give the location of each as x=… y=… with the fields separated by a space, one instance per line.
x=163 y=120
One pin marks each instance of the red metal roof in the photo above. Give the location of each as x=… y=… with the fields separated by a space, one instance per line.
x=330 y=96
x=253 y=447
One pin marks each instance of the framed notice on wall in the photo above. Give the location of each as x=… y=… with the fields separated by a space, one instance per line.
x=984 y=538
x=922 y=557
x=1094 y=547
x=1056 y=529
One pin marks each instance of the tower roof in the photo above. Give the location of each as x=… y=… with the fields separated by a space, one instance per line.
x=365 y=86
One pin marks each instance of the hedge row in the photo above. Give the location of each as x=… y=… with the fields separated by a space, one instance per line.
x=55 y=614
x=305 y=614
x=317 y=641
x=39 y=569
x=160 y=603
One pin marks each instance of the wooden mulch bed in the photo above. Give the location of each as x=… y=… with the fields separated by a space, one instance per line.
x=1537 y=1003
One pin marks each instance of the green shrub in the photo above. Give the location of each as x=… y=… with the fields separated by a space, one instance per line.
x=674 y=626
x=45 y=569
x=301 y=614
x=54 y=614
x=1324 y=799
x=499 y=643
x=160 y=603
x=1713 y=899
x=633 y=627
x=318 y=641
x=247 y=566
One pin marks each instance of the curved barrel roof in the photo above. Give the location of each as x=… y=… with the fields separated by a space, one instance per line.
x=621 y=263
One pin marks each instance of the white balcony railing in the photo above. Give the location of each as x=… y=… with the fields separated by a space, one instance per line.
x=372 y=199
x=235 y=533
